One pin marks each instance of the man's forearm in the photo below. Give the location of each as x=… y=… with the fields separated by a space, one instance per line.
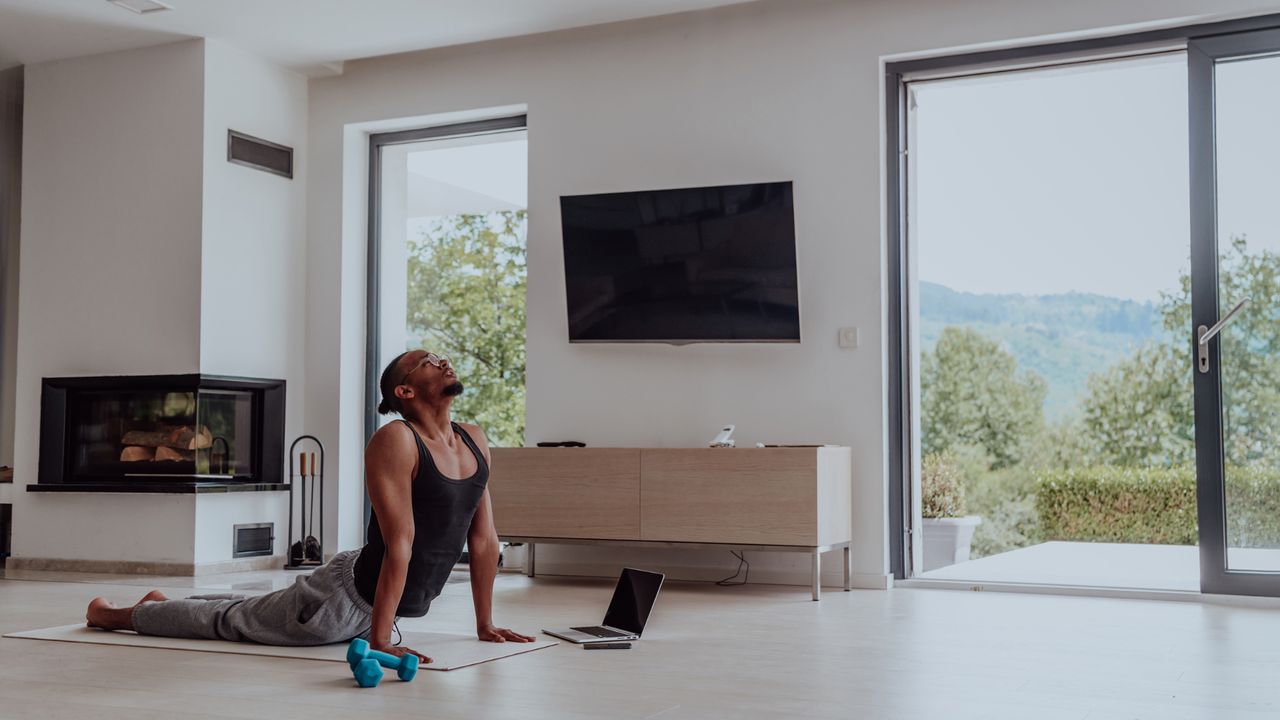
x=483 y=567
x=386 y=600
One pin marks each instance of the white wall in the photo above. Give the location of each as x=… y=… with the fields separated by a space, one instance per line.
x=253 y=260
x=110 y=266
x=253 y=263
x=111 y=216
x=145 y=251
x=106 y=527
x=767 y=91
x=217 y=514
x=10 y=205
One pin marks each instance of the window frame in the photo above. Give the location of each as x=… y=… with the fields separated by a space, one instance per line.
x=373 y=260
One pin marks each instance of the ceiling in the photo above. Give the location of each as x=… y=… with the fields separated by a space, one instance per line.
x=310 y=36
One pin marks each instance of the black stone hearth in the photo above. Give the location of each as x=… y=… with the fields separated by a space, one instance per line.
x=161 y=433
x=181 y=488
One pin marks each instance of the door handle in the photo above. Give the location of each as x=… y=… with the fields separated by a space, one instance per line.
x=1205 y=334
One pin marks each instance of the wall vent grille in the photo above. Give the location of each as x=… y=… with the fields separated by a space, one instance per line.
x=261 y=154
x=253 y=539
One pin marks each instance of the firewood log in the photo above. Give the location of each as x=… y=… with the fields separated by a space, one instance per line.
x=168 y=453
x=187 y=438
x=181 y=438
x=144 y=438
x=134 y=453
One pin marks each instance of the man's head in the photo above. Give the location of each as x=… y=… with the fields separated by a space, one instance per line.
x=417 y=378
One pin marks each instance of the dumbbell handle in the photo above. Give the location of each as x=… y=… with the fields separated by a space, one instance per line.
x=386 y=660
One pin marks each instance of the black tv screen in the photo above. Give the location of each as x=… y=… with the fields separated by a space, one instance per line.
x=709 y=264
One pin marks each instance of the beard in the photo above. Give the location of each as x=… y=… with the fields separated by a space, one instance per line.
x=452 y=390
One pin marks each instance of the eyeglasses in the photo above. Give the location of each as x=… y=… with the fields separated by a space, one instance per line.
x=430 y=359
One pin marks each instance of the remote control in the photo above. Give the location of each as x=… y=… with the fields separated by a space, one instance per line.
x=607 y=646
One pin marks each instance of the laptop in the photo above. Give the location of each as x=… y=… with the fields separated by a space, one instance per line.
x=633 y=599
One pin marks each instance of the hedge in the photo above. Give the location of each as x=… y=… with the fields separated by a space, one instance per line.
x=1154 y=505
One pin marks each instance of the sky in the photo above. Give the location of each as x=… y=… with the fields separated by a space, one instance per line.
x=1248 y=148
x=466 y=175
x=494 y=166
x=1052 y=181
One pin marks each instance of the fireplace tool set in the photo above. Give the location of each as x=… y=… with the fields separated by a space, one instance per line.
x=307 y=550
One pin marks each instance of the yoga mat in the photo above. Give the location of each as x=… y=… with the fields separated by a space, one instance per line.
x=448 y=651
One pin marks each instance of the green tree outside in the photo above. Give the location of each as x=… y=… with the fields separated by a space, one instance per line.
x=985 y=416
x=1138 y=413
x=466 y=295
x=973 y=395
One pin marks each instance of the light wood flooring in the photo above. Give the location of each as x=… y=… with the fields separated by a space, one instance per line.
x=757 y=651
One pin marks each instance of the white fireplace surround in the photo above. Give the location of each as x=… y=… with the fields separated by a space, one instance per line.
x=145 y=252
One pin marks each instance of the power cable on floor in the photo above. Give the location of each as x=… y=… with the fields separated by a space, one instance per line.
x=742 y=560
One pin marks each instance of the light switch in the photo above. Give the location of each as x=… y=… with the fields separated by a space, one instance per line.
x=848 y=337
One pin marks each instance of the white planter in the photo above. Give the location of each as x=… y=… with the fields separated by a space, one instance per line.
x=514 y=558
x=946 y=540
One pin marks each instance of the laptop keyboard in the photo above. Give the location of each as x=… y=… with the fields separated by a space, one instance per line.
x=597 y=631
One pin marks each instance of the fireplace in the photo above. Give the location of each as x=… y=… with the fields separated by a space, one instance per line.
x=160 y=433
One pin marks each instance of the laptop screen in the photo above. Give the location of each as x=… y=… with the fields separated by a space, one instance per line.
x=633 y=599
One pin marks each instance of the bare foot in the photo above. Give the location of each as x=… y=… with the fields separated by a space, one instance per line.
x=96 y=614
x=153 y=596
x=102 y=614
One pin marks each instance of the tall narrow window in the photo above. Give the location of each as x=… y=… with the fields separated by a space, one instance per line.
x=451 y=225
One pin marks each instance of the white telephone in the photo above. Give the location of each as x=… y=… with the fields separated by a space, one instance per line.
x=724 y=438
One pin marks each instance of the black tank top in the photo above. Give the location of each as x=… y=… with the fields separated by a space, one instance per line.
x=442 y=511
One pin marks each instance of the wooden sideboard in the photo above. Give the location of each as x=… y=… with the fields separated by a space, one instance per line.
x=776 y=499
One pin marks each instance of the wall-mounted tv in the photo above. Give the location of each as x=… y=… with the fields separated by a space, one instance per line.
x=707 y=264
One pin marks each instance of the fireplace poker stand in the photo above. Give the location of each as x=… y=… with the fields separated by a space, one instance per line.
x=308 y=550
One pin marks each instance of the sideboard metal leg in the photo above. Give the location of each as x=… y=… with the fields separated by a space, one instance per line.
x=817 y=574
x=528 y=562
x=847 y=568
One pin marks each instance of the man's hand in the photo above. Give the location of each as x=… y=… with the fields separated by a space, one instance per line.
x=399 y=651
x=489 y=633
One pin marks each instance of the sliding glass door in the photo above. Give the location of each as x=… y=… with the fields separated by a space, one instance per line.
x=1235 y=218
x=1167 y=448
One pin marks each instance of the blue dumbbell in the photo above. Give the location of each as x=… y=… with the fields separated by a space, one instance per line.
x=367 y=673
x=365 y=663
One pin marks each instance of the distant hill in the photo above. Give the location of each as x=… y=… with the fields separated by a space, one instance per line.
x=1063 y=338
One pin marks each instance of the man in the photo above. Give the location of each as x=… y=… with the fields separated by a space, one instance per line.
x=427 y=478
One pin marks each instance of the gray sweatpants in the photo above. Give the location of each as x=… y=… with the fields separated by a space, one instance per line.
x=319 y=609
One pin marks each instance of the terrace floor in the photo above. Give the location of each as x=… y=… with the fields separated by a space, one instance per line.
x=1105 y=565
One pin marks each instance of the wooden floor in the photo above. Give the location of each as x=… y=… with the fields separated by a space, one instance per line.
x=757 y=651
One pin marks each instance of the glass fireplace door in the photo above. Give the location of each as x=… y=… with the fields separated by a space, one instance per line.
x=165 y=435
